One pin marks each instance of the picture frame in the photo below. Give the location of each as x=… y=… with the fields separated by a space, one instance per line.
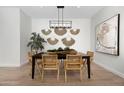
x=107 y=36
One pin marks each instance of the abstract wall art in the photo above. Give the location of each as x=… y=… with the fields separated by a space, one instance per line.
x=67 y=42
x=52 y=41
x=74 y=32
x=46 y=32
x=107 y=36
x=60 y=31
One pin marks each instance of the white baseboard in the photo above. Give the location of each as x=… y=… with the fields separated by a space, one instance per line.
x=13 y=65
x=9 y=65
x=111 y=70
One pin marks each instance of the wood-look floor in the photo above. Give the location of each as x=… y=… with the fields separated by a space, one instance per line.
x=21 y=76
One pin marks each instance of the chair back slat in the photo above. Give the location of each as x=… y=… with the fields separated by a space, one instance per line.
x=49 y=58
x=74 y=59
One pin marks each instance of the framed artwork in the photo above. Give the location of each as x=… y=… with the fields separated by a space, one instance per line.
x=107 y=36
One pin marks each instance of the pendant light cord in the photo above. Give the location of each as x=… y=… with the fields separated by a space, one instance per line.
x=62 y=17
x=58 y=17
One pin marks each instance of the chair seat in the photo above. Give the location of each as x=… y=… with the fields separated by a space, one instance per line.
x=50 y=66
x=73 y=66
x=54 y=63
x=73 y=63
x=39 y=62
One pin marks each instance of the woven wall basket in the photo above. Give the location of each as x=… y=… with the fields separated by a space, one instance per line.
x=46 y=32
x=60 y=31
x=52 y=42
x=74 y=32
x=68 y=43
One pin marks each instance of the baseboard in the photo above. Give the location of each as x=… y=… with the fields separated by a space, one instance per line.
x=110 y=69
x=9 y=65
x=13 y=65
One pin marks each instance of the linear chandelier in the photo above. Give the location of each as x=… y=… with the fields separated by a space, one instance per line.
x=60 y=25
x=60 y=22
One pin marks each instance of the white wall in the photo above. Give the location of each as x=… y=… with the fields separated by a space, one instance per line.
x=112 y=63
x=82 y=39
x=25 y=31
x=9 y=37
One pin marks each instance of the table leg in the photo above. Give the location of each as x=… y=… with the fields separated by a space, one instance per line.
x=33 y=67
x=88 y=66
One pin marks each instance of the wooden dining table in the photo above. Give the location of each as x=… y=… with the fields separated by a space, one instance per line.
x=60 y=56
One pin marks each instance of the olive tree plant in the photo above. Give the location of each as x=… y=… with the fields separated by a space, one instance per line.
x=36 y=42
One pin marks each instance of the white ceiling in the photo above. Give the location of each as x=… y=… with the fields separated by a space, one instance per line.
x=69 y=11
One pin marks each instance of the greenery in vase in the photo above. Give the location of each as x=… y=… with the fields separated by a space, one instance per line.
x=36 y=42
x=52 y=50
x=60 y=49
x=66 y=48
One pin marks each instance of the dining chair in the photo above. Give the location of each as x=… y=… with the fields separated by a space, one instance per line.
x=91 y=54
x=73 y=62
x=38 y=63
x=29 y=57
x=50 y=62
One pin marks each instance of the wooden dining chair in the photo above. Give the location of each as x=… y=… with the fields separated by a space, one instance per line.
x=29 y=57
x=91 y=54
x=38 y=63
x=73 y=62
x=50 y=62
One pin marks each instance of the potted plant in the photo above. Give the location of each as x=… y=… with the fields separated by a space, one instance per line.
x=36 y=42
x=59 y=49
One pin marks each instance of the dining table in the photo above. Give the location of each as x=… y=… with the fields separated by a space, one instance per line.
x=60 y=56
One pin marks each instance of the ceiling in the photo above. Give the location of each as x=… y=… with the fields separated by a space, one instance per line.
x=69 y=11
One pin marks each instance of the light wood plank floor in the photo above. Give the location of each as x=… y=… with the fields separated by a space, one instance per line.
x=20 y=76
